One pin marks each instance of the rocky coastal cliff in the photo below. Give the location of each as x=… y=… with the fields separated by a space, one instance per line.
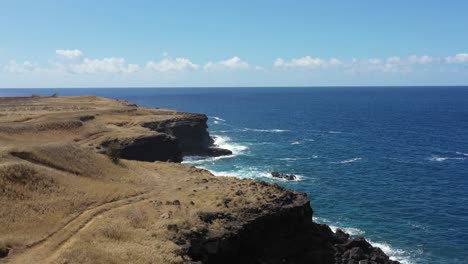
x=86 y=180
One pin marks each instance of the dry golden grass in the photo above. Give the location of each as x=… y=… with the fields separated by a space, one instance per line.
x=63 y=202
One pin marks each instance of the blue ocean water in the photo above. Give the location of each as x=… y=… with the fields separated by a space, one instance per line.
x=390 y=164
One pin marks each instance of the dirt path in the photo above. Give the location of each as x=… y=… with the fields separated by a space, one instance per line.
x=38 y=251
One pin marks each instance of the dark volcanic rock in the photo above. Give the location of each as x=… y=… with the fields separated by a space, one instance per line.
x=159 y=147
x=191 y=133
x=280 y=233
x=211 y=152
x=4 y=252
x=341 y=237
x=358 y=250
x=289 y=177
x=273 y=235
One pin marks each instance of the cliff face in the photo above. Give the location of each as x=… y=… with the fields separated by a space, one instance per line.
x=283 y=232
x=158 y=147
x=63 y=201
x=272 y=234
x=191 y=132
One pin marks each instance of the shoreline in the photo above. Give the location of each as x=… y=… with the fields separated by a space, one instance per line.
x=393 y=253
x=98 y=172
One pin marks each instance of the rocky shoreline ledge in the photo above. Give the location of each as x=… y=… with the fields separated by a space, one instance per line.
x=94 y=180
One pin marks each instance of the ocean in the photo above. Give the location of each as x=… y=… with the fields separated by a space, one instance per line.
x=387 y=163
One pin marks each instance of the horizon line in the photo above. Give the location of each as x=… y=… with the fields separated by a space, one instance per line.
x=241 y=87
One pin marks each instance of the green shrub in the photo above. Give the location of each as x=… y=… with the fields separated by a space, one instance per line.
x=113 y=152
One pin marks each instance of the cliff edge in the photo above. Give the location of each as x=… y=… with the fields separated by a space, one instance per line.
x=94 y=180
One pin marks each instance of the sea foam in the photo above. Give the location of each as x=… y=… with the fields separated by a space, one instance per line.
x=394 y=253
x=440 y=159
x=265 y=130
x=251 y=173
x=347 y=161
x=217 y=118
x=226 y=143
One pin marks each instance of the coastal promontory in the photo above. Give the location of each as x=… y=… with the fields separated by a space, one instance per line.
x=94 y=180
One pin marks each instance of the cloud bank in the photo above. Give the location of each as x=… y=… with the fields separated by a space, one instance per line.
x=69 y=54
x=72 y=64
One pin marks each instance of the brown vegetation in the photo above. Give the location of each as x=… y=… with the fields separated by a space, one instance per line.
x=64 y=201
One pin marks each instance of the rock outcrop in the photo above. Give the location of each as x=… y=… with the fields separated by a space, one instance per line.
x=282 y=232
x=157 y=147
x=191 y=132
x=285 y=176
x=278 y=233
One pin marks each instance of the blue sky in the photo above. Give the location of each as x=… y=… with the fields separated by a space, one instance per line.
x=232 y=43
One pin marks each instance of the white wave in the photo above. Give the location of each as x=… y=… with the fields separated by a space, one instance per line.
x=286 y=159
x=216 y=122
x=222 y=131
x=217 y=118
x=250 y=173
x=440 y=159
x=221 y=142
x=461 y=153
x=309 y=139
x=204 y=159
x=266 y=130
x=295 y=143
x=225 y=143
x=334 y=132
x=314 y=156
x=348 y=161
x=349 y=230
x=394 y=253
x=262 y=143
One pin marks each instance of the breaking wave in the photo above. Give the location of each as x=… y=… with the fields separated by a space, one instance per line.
x=394 y=253
x=440 y=159
x=251 y=173
x=265 y=130
x=226 y=143
x=217 y=118
x=347 y=161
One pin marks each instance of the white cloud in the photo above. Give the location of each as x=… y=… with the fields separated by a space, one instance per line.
x=393 y=60
x=167 y=65
x=372 y=61
x=458 y=58
x=24 y=67
x=69 y=54
x=307 y=62
x=425 y=59
x=105 y=65
x=232 y=63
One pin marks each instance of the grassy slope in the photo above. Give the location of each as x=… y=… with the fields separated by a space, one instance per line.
x=62 y=202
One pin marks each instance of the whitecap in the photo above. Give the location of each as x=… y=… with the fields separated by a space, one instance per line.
x=334 y=132
x=225 y=143
x=250 y=173
x=221 y=142
x=286 y=159
x=349 y=230
x=204 y=159
x=461 y=153
x=347 y=161
x=216 y=122
x=218 y=118
x=394 y=253
x=440 y=159
x=266 y=130
x=295 y=143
